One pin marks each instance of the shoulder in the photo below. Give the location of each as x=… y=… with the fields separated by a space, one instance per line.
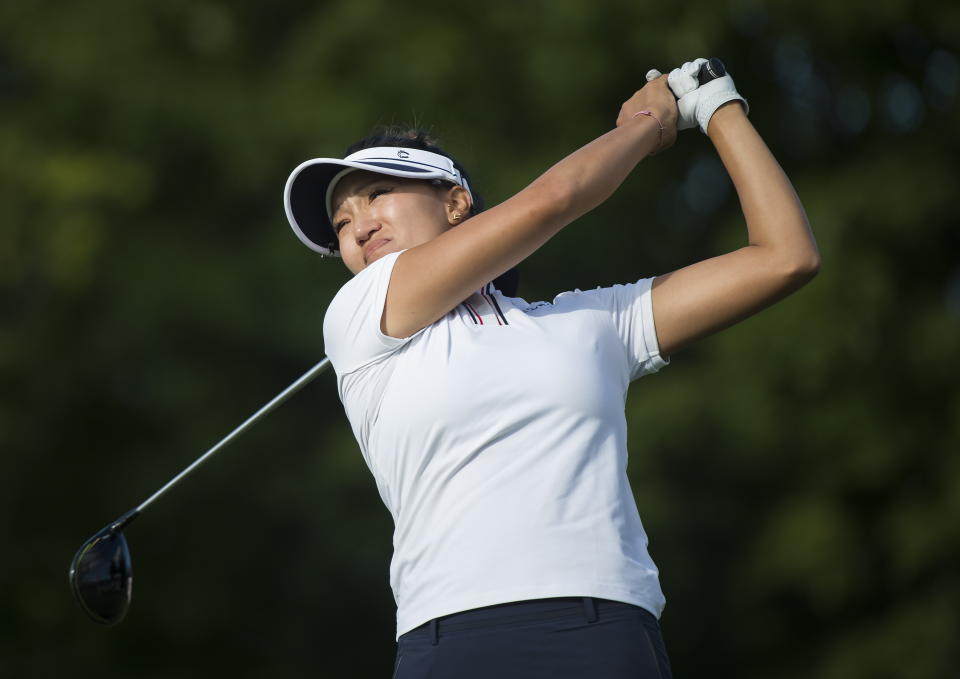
x=361 y=290
x=363 y=280
x=611 y=297
x=351 y=325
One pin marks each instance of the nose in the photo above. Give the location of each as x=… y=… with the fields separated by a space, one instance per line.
x=364 y=227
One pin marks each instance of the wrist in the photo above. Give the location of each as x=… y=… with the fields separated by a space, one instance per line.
x=726 y=113
x=655 y=119
x=712 y=102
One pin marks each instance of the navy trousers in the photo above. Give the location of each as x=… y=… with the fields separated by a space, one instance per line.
x=582 y=638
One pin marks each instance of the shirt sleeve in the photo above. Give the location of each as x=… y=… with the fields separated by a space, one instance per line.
x=351 y=327
x=631 y=310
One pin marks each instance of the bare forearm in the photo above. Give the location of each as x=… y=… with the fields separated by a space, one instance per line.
x=508 y=233
x=776 y=221
x=434 y=277
x=591 y=174
x=705 y=297
x=446 y=269
x=512 y=231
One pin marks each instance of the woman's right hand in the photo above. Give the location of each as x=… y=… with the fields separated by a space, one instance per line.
x=657 y=98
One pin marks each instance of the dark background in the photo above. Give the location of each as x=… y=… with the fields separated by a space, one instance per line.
x=798 y=475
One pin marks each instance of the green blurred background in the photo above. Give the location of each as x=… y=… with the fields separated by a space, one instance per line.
x=798 y=475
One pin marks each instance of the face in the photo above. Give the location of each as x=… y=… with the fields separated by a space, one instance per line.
x=375 y=214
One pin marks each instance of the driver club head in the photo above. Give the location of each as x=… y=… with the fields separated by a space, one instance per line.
x=101 y=576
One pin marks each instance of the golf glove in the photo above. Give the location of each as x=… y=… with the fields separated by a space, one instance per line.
x=697 y=103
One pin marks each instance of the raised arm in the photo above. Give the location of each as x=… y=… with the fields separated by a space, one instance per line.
x=781 y=256
x=430 y=279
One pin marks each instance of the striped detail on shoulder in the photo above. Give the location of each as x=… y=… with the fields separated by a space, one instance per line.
x=488 y=294
x=474 y=316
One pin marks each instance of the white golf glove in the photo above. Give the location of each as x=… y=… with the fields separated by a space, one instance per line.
x=697 y=103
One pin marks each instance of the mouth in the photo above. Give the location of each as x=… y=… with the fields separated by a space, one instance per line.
x=372 y=247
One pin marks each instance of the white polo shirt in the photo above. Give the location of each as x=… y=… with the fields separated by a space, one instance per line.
x=497 y=439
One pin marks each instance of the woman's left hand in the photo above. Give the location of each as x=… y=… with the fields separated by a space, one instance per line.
x=657 y=98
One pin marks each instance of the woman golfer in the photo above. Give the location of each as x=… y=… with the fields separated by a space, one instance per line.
x=495 y=427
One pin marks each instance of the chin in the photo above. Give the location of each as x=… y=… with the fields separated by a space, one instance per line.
x=379 y=253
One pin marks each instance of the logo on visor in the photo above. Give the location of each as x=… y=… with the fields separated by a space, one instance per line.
x=402 y=154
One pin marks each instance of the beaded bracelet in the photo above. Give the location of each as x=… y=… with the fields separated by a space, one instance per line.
x=649 y=114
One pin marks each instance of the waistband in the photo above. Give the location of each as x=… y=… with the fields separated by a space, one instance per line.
x=589 y=609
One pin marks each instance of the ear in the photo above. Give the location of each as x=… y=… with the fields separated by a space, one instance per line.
x=457 y=204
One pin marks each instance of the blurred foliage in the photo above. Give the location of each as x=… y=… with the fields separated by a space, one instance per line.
x=798 y=474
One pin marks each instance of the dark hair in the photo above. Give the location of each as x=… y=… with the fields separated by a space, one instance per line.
x=415 y=139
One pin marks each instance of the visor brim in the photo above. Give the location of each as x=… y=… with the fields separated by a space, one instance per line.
x=304 y=196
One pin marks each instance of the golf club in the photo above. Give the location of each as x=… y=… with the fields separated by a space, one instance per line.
x=711 y=69
x=101 y=575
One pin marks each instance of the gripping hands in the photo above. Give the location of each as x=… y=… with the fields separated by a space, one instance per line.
x=695 y=102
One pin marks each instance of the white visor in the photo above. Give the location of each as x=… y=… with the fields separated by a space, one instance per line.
x=309 y=188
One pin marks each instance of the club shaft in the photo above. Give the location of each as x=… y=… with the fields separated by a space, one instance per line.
x=302 y=381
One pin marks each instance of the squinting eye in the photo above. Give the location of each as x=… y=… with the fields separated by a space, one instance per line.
x=339 y=225
x=377 y=192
